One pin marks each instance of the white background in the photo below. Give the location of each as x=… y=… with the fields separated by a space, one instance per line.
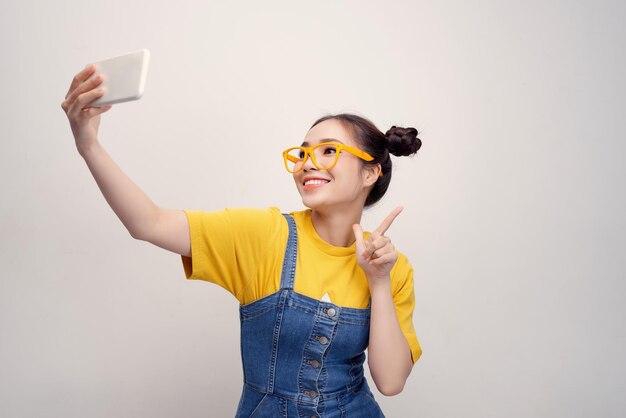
x=514 y=207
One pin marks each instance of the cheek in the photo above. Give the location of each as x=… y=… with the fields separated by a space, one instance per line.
x=348 y=178
x=296 y=182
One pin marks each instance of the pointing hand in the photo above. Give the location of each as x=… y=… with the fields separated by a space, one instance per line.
x=376 y=255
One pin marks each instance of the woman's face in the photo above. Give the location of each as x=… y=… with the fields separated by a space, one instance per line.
x=345 y=184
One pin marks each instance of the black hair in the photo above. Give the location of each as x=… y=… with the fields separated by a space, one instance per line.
x=397 y=141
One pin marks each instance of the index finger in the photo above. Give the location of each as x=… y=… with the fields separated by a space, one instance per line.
x=388 y=221
x=80 y=77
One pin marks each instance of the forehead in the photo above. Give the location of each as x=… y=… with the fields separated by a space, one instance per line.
x=329 y=129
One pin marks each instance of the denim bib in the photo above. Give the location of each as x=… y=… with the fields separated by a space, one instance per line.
x=303 y=357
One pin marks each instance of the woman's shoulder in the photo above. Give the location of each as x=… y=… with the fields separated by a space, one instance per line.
x=267 y=212
x=300 y=214
x=402 y=271
x=403 y=259
x=235 y=219
x=267 y=219
x=240 y=212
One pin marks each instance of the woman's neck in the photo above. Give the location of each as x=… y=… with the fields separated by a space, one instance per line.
x=335 y=227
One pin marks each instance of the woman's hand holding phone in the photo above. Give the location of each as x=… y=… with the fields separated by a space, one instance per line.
x=84 y=120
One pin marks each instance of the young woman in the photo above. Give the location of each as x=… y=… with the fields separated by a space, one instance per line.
x=314 y=290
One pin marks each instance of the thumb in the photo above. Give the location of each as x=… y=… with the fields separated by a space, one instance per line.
x=358 y=234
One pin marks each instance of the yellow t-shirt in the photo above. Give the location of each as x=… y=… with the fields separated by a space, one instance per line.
x=242 y=250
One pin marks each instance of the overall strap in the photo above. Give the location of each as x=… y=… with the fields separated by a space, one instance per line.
x=291 y=254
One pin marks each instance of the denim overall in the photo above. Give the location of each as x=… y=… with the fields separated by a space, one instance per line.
x=303 y=357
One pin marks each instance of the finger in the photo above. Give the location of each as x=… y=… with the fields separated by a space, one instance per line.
x=373 y=246
x=84 y=87
x=383 y=251
x=388 y=221
x=80 y=77
x=84 y=99
x=387 y=258
x=94 y=111
x=358 y=234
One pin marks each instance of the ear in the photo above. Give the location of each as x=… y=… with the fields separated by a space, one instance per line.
x=371 y=175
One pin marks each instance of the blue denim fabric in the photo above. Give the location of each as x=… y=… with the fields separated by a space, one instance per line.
x=303 y=357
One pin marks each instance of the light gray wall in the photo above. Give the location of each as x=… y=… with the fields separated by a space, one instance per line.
x=514 y=207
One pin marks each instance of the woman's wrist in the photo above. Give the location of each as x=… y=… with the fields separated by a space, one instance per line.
x=85 y=149
x=380 y=285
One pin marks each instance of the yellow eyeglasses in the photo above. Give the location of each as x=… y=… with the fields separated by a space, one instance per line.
x=323 y=155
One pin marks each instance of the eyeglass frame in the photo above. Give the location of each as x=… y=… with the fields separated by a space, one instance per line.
x=309 y=152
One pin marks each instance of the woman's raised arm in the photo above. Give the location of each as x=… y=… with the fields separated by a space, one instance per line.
x=143 y=219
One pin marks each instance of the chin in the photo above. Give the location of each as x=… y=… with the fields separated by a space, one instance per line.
x=315 y=201
x=312 y=203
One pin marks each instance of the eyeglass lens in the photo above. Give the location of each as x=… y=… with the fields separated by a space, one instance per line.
x=324 y=157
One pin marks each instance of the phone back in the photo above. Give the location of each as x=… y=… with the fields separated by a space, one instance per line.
x=124 y=77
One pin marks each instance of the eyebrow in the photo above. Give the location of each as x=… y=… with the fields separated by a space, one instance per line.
x=306 y=144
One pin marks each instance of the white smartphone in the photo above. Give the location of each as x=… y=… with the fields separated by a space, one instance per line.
x=124 y=77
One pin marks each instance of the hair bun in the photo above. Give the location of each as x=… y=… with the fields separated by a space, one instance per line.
x=402 y=141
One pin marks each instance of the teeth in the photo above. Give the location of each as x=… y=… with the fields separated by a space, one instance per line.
x=306 y=183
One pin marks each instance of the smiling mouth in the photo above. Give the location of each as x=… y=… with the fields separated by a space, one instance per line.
x=315 y=181
x=314 y=184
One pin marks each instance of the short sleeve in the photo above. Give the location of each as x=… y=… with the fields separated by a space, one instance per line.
x=227 y=245
x=404 y=301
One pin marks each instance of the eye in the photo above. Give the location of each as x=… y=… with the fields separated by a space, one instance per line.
x=301 y=154
x=330 y=150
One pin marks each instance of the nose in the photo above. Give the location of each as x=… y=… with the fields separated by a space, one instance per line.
x=308 y=165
